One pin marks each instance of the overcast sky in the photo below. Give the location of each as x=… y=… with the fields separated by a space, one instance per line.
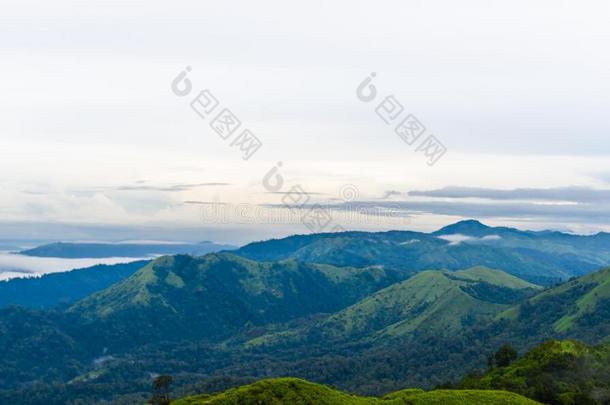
x=94 y=143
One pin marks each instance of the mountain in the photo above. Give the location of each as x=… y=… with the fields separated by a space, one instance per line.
x=373 y=322
x=431 y=303
x=215 y=296
x=579 y=308
x=569 y=248
x=51 y=290
x=290 y=391
x=102 y=250
x=468 y=227
x=540 y=257
x=178 y=307
x=556 y=372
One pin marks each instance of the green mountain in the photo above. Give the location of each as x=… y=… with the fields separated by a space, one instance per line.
x=225 y=320
x=51 y=290
x=175 y=303
x=436 y=308
x=291 y=391
x=216 y=296
x=556 y=372
x=438 y=303
x=579 y=308
x=540 y=257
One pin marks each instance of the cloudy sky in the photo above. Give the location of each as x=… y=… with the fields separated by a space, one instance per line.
x=96 y=145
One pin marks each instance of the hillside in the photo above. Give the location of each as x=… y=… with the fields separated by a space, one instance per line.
x=215 y=296
x=540 y=257
x=438 y=303
x=295 y=391
x=557 y=372
x=181 y=305
x=579 y=308
x=64 y=288
x=224 y=320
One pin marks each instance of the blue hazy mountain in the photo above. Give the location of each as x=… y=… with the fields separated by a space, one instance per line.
x=102 y=250
x=540 y=257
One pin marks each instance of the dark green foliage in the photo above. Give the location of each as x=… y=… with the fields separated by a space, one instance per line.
x=556 y=373
x=485 y=291
x=161 y=390
x=504 y=356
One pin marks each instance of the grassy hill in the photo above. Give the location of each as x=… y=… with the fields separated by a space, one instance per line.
x=293 y=391
x=557 y=372
x=579 y=308
x=436 y=303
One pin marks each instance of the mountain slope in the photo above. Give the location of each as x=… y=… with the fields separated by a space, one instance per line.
x=217 y=295
x=287 y=391
x=556 y=372
x=435 y=303
x=54 y=289
x=579 y=308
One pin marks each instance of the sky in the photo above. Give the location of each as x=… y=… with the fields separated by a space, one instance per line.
x=98 y=141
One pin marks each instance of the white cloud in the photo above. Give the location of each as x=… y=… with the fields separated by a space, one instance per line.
x=517 y=91
x=457 y=238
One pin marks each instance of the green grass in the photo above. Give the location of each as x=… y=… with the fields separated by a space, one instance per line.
x=582 y=296
x=496 y=277
x=293 y=391
x=437 y=300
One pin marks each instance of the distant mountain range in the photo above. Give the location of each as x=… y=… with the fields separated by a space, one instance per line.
x=104 y=250
x=357 y=310
x=539 y=257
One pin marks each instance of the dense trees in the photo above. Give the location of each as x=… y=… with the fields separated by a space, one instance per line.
x=503 y=357
x=161 y=390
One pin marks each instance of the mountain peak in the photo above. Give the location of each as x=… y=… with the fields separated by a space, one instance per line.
x=470 y=227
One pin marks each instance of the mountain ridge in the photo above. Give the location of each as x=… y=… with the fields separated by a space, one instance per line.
x=539 y=258
x=413 y=306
